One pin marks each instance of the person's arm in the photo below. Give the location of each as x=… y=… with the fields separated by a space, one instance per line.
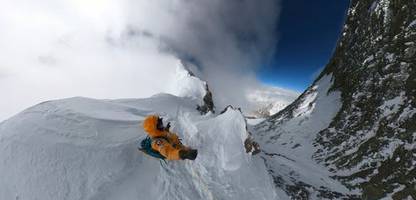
x=167 y=127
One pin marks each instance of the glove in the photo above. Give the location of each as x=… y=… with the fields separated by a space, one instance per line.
x=167 y=127
x=159 y=125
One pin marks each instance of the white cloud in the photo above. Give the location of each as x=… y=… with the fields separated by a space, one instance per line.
x=128 y=48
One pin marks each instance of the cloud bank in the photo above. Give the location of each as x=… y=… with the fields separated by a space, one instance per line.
x=128 y=48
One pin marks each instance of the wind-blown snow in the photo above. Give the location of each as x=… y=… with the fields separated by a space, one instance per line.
x=82 y=148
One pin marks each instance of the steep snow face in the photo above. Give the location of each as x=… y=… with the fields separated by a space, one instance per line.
x=81 y=148
x=185 y=84
x=314 y=112
x=287 y=143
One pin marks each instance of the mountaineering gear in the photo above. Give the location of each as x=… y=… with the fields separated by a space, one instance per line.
x=190 y=154
x=160 y=126
x=165 y=143
x=146 y=147
x=163 y=146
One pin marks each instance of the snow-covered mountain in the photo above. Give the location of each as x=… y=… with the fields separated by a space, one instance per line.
x=287 y=140
x=352 y=134
x=268 y=100
x=82 y=148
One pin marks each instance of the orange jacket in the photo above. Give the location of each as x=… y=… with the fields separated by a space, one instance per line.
x=165 y=142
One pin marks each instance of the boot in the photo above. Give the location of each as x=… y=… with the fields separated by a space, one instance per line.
x=188 y=154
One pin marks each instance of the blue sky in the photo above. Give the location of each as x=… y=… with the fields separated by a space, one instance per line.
x=307 y=35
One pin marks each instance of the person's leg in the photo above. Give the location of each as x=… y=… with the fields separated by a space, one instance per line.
x=171 y=153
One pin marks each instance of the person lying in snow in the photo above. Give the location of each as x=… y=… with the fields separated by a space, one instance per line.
x=163 y=144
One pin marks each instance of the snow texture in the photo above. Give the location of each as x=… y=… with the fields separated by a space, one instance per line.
x=185 y=84
x=80 y=148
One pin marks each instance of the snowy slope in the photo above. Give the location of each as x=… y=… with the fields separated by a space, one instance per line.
x=81 y=148
x=287 y=143
x=351 y=135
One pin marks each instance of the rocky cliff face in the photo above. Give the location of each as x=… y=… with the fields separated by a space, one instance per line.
x=373 y=136
x=369 y=145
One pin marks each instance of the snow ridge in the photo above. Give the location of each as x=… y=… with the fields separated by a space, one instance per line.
x=82 y=148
